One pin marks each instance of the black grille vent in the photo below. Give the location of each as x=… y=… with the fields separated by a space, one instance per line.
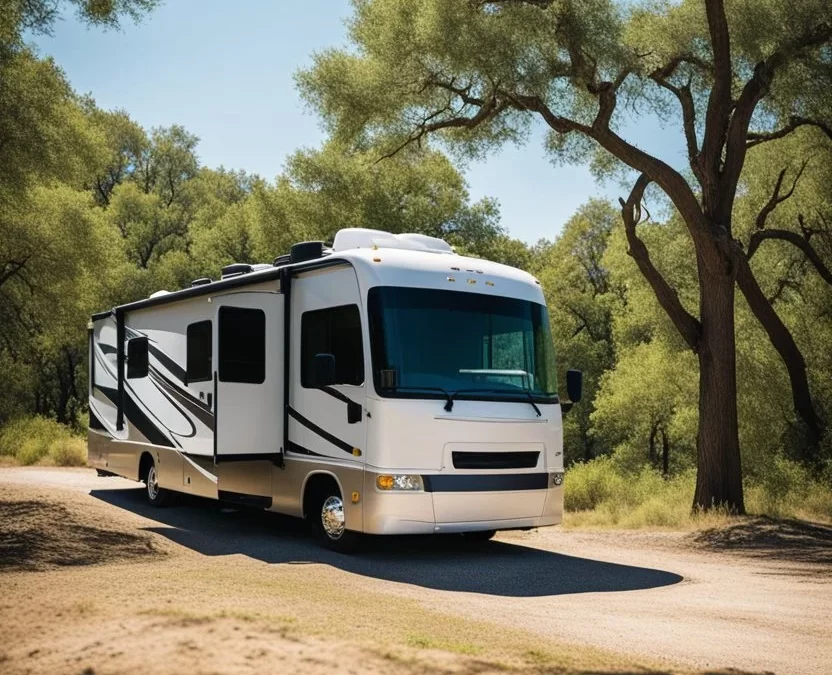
x=495 y=460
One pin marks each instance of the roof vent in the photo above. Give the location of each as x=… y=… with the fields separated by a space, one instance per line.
x=356 y=237
x=201 y=282
x=235 y=270
x=306 y=250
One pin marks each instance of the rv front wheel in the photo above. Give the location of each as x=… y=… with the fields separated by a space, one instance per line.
x=156 y=495
x=329 y=521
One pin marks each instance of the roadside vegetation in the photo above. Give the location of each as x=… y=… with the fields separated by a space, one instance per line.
x=37 y=440
x=601 y=493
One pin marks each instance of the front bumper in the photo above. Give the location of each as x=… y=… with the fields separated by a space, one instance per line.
x=438 y=512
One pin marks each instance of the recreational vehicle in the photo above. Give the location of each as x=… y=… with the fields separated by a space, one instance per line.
x=381 y=385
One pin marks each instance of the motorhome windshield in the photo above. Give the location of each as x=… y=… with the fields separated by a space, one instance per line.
x=430 y=343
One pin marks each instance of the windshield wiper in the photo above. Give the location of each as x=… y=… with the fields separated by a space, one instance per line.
x=449 y=396
x=449 y=405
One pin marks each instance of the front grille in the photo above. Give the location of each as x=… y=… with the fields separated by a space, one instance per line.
x=495 y=460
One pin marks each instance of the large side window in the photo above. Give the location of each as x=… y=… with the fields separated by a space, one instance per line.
x=336 y=331
x=242 y=345
x=199 y=366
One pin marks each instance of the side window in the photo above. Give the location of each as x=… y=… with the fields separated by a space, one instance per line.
x=336 y=331
x=199 y=366
x=242 y=345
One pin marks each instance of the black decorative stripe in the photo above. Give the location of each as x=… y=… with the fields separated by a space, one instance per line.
x=337 y=394
x=300 y=450
x=248 y=457
x=107 y=349
x=174 y=368
x=96 y=423
x=194 y=406
x=178 y=409
x=337 y=442
x=137 y=418
x=486 y=482
x=256 y=501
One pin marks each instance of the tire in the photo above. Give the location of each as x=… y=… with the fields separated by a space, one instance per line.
x=157 y=496
x=327 y=518
x=480 y=535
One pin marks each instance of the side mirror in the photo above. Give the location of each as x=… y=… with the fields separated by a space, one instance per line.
x=575 y=385
x=323 y=371
x=137 y=360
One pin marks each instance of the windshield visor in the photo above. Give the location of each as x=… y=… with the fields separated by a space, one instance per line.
x=479 y=346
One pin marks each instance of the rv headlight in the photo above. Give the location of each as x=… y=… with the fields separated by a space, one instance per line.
x=399 y=481
x=557 y=479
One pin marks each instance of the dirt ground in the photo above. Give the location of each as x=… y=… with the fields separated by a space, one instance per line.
x=93 y=580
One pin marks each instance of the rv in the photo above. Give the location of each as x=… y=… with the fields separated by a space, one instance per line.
x=380 y=385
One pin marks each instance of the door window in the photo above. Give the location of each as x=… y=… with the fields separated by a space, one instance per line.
x=198 y=358
x=336 y=331
x=242 y=345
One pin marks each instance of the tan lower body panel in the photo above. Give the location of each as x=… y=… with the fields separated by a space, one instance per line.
x=366 y=508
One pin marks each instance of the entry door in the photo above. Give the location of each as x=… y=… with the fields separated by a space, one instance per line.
x=327 y=319
x=248 y=338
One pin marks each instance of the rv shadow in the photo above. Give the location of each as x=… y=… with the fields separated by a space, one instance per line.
x=440 y=562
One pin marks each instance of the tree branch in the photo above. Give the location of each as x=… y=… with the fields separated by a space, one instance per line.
x=754 y=90
x=776 y=198
x=795 y=122
x=720 y=100
x=685 y=97
x=802 y=242
x=490 y=109
x=687 y=325
x=13 y=268
x=782 y=340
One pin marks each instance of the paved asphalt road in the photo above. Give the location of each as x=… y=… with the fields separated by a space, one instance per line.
x=756 y=597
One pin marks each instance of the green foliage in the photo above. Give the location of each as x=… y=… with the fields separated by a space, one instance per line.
x=600 y=494
x=36 y=440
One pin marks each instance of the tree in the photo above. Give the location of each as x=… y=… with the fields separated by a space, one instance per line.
x=576 y=283
x=39 y=16
x=322 y=191
x=479 y=72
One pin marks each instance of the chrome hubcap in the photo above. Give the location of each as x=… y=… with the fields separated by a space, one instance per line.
x=152 y=483
x=332 y=517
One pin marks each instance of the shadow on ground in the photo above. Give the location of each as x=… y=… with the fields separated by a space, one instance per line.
x=783 y=540
x=37 y=534
x=439 y=562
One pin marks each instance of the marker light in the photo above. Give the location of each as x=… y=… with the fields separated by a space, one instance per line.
x=398 y=481
x=557 y=479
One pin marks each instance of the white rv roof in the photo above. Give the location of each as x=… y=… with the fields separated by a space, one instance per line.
x=383 y=259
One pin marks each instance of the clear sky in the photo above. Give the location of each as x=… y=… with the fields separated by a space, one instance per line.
x=224 y=71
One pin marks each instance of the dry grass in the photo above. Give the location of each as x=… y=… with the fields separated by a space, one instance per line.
x=599 y=494
x=37 y=440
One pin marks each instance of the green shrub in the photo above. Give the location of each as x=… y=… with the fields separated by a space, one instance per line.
x=68 y=452
x=601 y=494
x=37 y=440
x=592 y=483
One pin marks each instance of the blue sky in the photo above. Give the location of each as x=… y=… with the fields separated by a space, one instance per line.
x=224 y=71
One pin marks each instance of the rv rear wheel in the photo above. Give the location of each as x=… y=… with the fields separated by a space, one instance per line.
x=328 y=518
x=156 y=495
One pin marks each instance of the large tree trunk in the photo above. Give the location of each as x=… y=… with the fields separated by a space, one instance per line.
x=719 y=475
